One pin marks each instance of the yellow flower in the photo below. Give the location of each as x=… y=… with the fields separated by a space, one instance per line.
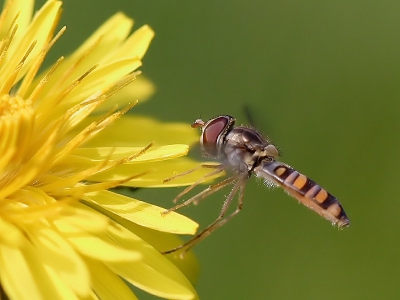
x=63 y=235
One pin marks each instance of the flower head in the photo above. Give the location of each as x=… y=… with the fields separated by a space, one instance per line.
x=63 y=145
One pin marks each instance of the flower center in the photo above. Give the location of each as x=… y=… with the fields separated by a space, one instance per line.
x=13 y=106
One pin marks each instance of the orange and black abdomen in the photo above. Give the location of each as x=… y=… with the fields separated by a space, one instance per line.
x=305 y=190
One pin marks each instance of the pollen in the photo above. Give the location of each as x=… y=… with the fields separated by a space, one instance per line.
x=11 y=106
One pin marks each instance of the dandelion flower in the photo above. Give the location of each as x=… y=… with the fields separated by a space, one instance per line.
x=63 y=144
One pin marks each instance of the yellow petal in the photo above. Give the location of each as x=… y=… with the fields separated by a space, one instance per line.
x=142 y=213
x=117 y=153
x=153 y=273
x=97 y=247
x=102 y=79
x=25 y=265
x=14 y=236
x=73 y=219
x=163 y=241
x=132 y=130
x=157 y=172
x=22 y=7
x=140 y=89
x=107 y=284
x=38 y=33
x=108 y=37
x=136 y=45
x=59 y=257
x=92 y=244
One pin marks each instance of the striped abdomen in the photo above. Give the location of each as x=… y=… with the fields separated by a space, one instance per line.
x=305 y=190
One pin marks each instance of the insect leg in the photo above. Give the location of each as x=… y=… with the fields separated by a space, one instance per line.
x=210 y=190
x=239 y=186
x=191 y=171
x=218 y=168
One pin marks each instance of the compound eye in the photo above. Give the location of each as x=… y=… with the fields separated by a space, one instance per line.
x=212 y=131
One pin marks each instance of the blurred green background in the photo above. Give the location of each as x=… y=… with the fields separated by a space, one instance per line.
x=322 y=79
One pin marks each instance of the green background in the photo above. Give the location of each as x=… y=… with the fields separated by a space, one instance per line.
x=321 y=78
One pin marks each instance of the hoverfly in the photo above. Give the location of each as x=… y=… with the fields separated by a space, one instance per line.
x=244 y=152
